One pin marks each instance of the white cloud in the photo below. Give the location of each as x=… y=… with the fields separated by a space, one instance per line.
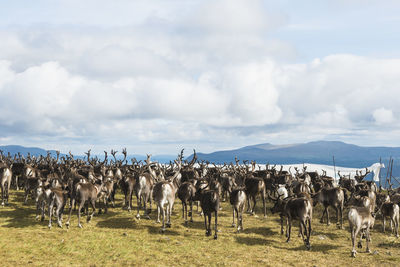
x=211 y=76
x=383 y=116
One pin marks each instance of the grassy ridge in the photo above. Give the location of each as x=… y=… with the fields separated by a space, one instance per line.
x=118 y=239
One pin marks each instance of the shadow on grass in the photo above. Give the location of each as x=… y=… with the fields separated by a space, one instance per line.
x=117 y=223
x=316 y=247
x=252 y=241
x=330 y=235
x=156 y=230
x=18 y=217
x=194 y=225
x=389 y=245
x=265 y=231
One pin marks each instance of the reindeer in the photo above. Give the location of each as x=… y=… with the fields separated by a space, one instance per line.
x=360 y=218
x=391 y=210
x=237 y=199
x=164 y=194
x=85 y=192
x=333 y=197
x=58 y=199
x=209 y=202
x=186 y=193
x=295 y=208
x=144 y=185
x=5 y=179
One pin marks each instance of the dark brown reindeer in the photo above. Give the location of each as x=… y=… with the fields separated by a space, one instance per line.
x=391 y=210
x=255 y=186
x=186 y=193
x=209 y=202
x=334 y=197
x=295 y=208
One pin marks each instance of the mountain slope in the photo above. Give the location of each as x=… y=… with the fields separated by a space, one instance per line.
x=319 y=152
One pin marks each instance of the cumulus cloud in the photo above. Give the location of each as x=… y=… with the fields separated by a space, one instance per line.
x=211 y=77
x=383 y=116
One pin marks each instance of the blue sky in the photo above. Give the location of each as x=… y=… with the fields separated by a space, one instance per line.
x=156 y=76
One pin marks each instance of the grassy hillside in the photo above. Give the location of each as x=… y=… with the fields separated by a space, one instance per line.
x=119 y=239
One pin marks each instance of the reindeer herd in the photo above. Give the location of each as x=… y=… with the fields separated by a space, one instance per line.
x=84 y=184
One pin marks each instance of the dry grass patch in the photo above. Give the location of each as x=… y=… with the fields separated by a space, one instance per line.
x=117 y=238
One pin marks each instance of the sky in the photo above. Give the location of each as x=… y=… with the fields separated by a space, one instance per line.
x=157 y=76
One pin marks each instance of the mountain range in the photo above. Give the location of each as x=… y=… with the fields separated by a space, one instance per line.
x=318 y=152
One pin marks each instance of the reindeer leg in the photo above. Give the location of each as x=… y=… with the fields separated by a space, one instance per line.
x=93 y=204
x=290 y=229
x=169 y=210
x=138 y=206
x=191 y=211
x=323 y=214
x=233 y=219
x=81 y=204
x=209 y=223
x=327 y=216
x=2 y=195
x=205 y=223
x=183 y=211
x=70 y=212
x=216 y=225
x=353 y=241
x=384 y=223
x=253 y=210
x=158 y=212
x=50 y=209
x=368 y=240
x=163 y=219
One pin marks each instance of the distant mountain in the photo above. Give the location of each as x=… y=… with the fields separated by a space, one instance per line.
x=34 y=151
x=318 y=152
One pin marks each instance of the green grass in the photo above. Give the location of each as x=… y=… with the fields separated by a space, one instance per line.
x=117 y=238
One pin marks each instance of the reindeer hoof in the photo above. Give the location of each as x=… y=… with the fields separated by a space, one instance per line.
x=162 y=230
x=215 y=237
x=368 y=250
x=168 y=225
x=67 y=224
x=353 y=254
x=359 y=245
x=49 y=226
x=80 y=225
x=233 y=225
x=60 y=225
x=208 y=233
x=138 y=216
x=191 y=220
x=321 y=221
